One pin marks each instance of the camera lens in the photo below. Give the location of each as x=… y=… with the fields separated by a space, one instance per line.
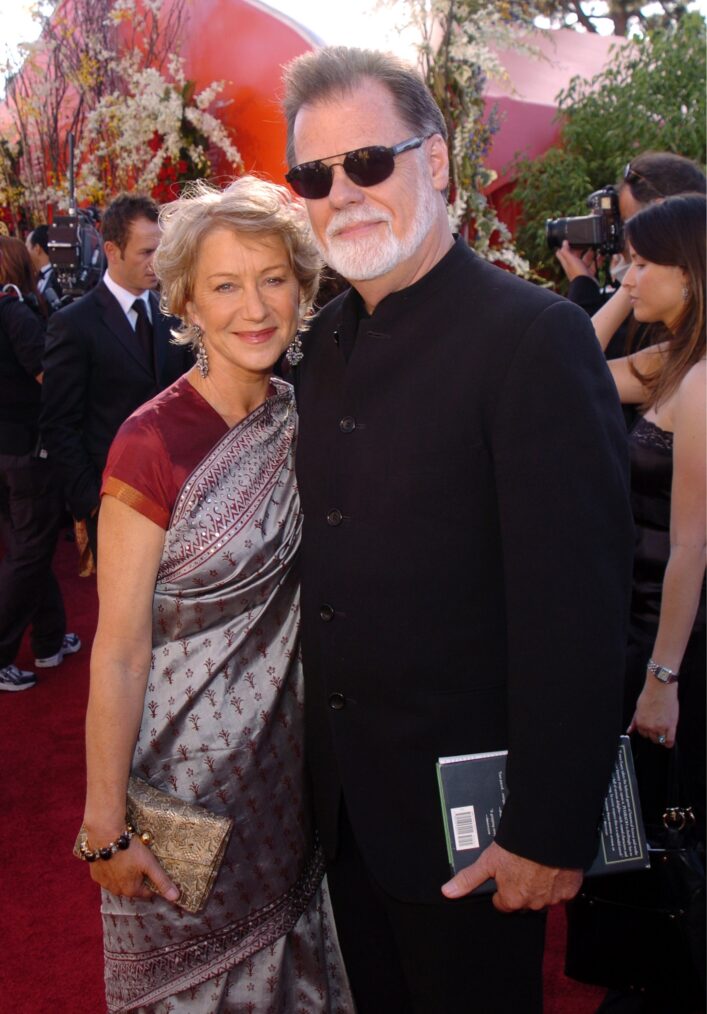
x=555 y=232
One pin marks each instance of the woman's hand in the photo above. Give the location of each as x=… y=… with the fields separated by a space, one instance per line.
x=573 y=265
x=124 y=874
x=657 y=712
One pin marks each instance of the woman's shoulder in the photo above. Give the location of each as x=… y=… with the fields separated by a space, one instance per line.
x=161 y=413
x=140 y=468
x=696 y=376
x=693 y=386
x=173 y=430
x=690 y=399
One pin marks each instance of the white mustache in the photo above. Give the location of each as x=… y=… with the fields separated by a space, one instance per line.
x=353 y=216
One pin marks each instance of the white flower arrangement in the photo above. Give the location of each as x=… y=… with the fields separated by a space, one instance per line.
x=459 y=40
x=121 y=88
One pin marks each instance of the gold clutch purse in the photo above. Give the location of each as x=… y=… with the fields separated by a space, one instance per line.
x=187 y=840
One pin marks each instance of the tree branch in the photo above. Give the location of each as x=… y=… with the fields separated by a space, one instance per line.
x=584 y=19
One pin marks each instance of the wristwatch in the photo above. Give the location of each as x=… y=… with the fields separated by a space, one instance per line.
x=661 y=672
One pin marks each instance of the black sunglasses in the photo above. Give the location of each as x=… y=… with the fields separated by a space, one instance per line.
x=365 y=167
x=631 y=176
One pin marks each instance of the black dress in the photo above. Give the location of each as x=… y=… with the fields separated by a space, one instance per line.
x=651 y=450
x=651 y=986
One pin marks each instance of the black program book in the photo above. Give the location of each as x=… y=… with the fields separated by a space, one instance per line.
x=473 y=791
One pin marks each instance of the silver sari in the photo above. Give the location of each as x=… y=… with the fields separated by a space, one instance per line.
x=222 y=727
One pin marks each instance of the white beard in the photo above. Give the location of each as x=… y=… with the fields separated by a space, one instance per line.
x=359 y=259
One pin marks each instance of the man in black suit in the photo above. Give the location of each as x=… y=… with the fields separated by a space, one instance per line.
x=48 y=285
x=466 y=558
x=107 y=354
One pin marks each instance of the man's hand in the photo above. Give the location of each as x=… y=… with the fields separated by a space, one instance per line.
x=574 y=264
x=521 y=883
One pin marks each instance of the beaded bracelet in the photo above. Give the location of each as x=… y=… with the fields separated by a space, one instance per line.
x=108 y=851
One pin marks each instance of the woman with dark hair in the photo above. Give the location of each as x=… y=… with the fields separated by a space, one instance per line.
x=650 y=176
x=666 y=287
x=665 y=678
x=18 y=273
x=30 y=500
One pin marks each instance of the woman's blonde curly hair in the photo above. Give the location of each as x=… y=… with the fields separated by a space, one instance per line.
x=247 y=205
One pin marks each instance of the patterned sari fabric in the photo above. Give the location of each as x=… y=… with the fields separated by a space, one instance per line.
x=222 y=727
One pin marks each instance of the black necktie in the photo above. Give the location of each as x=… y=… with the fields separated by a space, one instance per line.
x=143 y=330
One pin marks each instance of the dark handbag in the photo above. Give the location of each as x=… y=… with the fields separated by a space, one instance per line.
x=646 y=930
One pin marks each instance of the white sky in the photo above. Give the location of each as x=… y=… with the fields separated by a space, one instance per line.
x=349 y=23
x=334 y=22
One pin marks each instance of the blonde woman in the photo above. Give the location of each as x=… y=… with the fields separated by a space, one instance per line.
x=196 y=681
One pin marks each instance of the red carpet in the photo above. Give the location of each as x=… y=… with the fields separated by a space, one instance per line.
x=51 y=959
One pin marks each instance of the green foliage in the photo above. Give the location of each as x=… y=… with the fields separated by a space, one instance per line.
x=650 y=97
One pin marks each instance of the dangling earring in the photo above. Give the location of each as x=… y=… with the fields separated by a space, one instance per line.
x=685 y=293
x=294 y=353
x=202 y=356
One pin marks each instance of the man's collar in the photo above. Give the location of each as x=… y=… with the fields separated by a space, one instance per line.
x=125 y=298
x=415 y=294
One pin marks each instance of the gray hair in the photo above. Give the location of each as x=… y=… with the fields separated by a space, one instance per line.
x=337 y=70
x=248 y=205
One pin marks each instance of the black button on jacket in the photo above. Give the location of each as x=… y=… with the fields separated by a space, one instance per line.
x=480 y=581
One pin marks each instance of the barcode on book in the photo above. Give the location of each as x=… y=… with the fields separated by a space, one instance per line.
x=464 y=823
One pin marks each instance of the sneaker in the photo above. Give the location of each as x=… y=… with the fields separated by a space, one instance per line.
x=12 y=678
x=69 y=646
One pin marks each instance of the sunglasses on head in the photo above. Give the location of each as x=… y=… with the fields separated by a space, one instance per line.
x=631 y=176
x=364 y=166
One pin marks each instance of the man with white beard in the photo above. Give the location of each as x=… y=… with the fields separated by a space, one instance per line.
x=466 y=556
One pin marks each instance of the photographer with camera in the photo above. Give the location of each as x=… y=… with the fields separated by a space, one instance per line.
x=651 y=176
x=30 y=494
x=48 y=285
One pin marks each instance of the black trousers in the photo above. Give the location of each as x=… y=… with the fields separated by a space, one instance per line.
x=451 y=958
x=30 y=514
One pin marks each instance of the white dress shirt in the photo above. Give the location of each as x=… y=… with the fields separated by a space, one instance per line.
x=126 y=299
x=43 y=278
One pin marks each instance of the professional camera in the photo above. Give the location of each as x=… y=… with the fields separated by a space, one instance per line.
x=601 y=230
x=75 y=245
x=76 y=252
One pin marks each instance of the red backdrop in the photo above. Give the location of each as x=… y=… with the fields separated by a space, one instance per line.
x=245 y=44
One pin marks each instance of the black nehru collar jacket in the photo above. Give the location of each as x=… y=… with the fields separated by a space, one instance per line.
x=355 y=315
